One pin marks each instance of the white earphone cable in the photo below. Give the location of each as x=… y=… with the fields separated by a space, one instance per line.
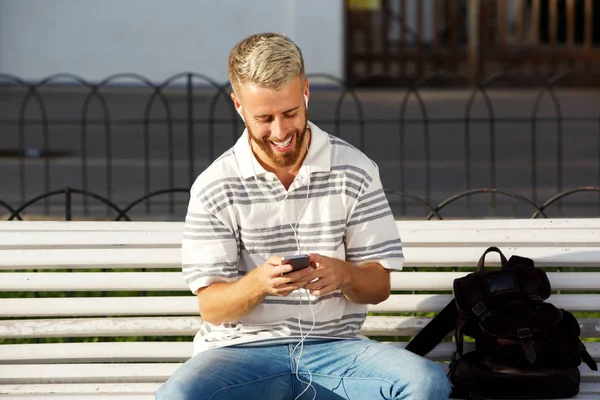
x=294 y=231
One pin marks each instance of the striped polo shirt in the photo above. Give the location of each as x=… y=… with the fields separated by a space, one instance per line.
x=239 y=215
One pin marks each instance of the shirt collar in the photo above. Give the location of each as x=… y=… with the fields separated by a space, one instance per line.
x=317 y=160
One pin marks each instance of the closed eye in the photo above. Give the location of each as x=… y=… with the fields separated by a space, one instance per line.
x=264 y=120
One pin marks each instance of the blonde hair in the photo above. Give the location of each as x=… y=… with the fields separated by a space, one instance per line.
x=266 y=59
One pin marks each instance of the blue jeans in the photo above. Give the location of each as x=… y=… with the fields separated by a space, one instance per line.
x=341 y=369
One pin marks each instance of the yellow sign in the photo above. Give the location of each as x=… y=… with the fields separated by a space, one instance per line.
x=364 y=5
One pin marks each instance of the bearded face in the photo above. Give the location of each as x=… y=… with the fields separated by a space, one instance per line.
x=282 y=153
x=277 y=121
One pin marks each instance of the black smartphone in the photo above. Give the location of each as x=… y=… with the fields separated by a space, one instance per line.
x=298 y=262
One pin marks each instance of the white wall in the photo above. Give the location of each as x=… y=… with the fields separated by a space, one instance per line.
x=158 y=38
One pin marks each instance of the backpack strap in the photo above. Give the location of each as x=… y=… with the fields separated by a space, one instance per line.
x=586 y=357
x=527 y=345
x=481 y=262
x=460 y=339
x=434 y=331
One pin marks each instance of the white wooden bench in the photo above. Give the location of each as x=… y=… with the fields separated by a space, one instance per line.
x=41 y=260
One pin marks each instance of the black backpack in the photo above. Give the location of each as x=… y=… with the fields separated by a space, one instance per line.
x=525 y=348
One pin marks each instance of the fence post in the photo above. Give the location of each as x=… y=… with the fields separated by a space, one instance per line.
x=68 y=210
x=474 y=33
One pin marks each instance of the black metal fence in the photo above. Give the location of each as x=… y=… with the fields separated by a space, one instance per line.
x=429 y=211
x=129 y=138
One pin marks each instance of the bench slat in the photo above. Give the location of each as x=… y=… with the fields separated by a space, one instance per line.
x=99 y=352
x=588 y=390
x=527 y=237
x=589 y=281
x=444 y=350
x=494 y=224
x=94 y=397
x=187 y=305
x=99 y=327
x=500 y=224
x=91 y=258
x=138 y=388
x=75 y=239
x=139 y=391
x=188 y=326
x=116 y=372
x=93 y=391
x=92 y=281
x=409 y=326
x=96 y=389
x=119 y=257
x=500 y=238
x=469 y=256
x=435 y=302
x=173 y=281
x=96 y=352
x=99 y=306
x=86 y=373
x=91 y=226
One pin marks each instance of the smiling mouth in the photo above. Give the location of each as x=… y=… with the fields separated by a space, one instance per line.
x=283 y=146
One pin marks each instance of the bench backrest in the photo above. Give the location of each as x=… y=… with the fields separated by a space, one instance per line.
x=63 y=279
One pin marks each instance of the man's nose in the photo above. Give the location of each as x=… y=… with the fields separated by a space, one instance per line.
x=280 y=128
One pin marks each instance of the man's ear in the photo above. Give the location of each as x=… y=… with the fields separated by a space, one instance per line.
x=236 y=101
x=306 y=91
x=238 y=106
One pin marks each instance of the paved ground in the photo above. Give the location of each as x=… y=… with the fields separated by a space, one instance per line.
x=433 y=160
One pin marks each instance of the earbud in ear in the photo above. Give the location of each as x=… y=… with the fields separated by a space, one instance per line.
x=306 y=101
x=239 y=110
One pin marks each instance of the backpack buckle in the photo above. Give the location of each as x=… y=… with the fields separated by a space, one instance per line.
x=481 y=311
x=455 y=357
x=524 y=333
x=479 y=308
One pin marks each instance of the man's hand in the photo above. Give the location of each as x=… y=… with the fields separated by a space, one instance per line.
x=368 y=283
x=229 y=301
x=332 y=273
x=272 y=280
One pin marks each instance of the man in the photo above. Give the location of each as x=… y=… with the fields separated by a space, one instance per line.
x=286 y=188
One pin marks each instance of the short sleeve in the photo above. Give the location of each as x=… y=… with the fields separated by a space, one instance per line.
x=371 y=234
x=209 y=247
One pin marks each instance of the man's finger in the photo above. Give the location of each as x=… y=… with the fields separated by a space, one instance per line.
x=318 y=258
x=318 y=285
x=279 y=270
x=282 y=283
x=323 y=291
x=317 y=273
x=314 y=285
x=302 y=283
x=286 y=289
x=301 y=274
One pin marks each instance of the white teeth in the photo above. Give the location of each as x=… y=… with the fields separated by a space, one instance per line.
x=283 y=144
